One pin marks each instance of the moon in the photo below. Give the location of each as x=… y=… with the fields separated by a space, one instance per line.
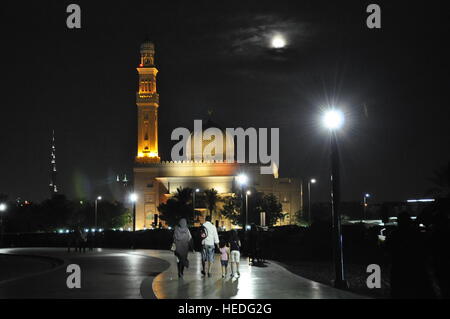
x=278 y=42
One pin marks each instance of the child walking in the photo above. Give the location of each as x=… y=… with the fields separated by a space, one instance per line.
x=224 y=256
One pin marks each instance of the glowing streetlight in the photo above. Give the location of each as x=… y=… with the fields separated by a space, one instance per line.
x=242 y=179
x=311 y=181
x=96 y=208
x=366 y=196
x=247 y=194
x=333 y=120
x=133 y=197
x=3 y=208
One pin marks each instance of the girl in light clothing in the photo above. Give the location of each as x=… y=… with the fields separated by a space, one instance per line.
x=235 y=254
x=224 y=256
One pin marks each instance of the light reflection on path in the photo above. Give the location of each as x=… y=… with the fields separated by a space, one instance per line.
x=270 y=282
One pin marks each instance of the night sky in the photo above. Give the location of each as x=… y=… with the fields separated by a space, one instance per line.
x=216 y=55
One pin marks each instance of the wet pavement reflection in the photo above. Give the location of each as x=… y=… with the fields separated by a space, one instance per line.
x=270 y=281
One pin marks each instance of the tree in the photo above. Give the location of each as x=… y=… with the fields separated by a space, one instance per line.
x=301 y=218
x=211 y=198
x=260 y=202
x=441 y=181
x=231 y=210
x=184 y=195
x=272 y=207
x=3 y=198
x=59 y=212
x=121 y=220
x=55 y=213
x=177 y=207
x=112 y=215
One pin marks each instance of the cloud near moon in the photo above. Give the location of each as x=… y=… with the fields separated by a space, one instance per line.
x=256 y=34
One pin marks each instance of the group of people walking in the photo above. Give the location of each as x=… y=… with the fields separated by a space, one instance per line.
x=79 y=240
x=209 y=238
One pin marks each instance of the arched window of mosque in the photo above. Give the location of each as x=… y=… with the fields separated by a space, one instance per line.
x=146 y=132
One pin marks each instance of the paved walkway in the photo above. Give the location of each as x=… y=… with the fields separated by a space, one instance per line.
x=108 y=273
x=105 y=273
x=269 y=282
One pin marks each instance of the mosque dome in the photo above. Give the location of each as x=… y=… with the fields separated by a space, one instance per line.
x=212 y=148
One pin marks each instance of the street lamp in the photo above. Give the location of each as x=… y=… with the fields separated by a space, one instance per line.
x=367 y=195
x=96 y=204
x=333 y=120
x=247 y=194
x=311 y=181
x=133 y=199
x=242 y=180
x=3 y=208
x=193 y=199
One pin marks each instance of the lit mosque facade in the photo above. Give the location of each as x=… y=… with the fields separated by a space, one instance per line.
x=155 y=180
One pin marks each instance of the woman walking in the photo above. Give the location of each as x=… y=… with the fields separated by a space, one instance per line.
x=182 y=241
x=235 y=255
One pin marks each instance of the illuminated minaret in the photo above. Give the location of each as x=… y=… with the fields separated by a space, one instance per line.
x=53 y=188
x=147 y=101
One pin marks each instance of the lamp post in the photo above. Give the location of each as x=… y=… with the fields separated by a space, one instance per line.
x=333 y=120
x=3 y=208
x=367 y=195
x=247 y=194
x=311 y=181
x=193 y=199
x=242 y=180
x=96 y=208
x=133 y=199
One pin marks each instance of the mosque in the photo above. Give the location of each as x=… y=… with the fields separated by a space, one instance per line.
x=155 y=180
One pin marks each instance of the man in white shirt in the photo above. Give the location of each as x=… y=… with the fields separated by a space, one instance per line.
x=208 y=245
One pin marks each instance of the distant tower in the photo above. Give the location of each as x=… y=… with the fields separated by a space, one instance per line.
x=147 y=100
x=52 y=186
